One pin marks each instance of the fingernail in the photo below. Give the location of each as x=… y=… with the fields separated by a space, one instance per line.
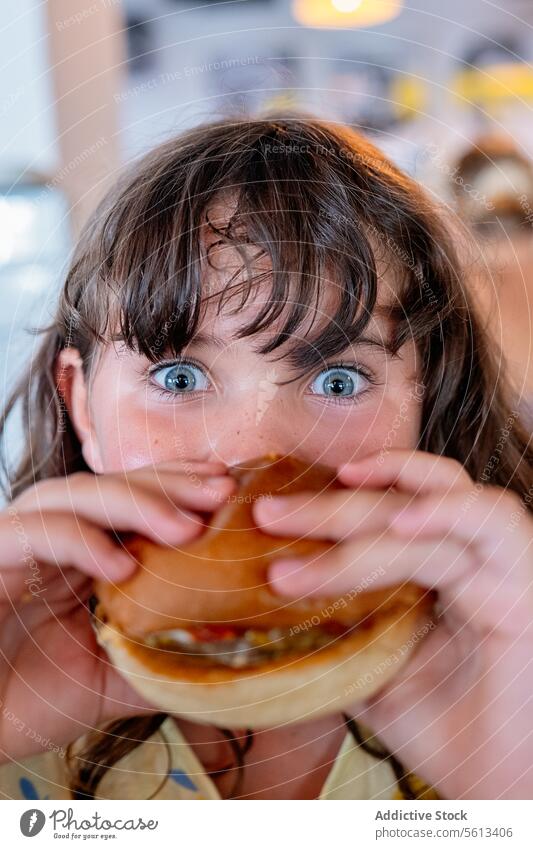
x=125 y=564
x=189 y=518
x=280 y=570
x=354 y=471
x=353 y=464
x=186 y=521
x=272 y=507
x=222 y=483
x=219 y=488
x=180 y=533
x=184 y=514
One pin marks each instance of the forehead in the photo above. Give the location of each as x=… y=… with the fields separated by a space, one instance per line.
x=234 y=266
x=227 y=253
x=262 y=282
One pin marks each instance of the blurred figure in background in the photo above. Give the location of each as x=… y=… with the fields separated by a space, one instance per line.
x=493 y=187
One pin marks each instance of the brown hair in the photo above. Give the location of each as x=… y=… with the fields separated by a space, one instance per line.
x=313 y=197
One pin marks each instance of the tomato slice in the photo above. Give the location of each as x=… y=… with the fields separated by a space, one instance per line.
x=210 y=633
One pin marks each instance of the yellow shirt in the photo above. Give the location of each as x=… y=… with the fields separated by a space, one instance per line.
x=165 y=767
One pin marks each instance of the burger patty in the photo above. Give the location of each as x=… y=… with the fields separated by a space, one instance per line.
x=238 y=648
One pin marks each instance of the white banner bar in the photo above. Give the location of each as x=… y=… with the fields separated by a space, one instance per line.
x=268 y=825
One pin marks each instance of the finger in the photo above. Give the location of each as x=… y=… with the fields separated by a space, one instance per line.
x=408 y=471
x=480 y=517
x=188 y=490
x=112 y=501
x=332 y=515
x=198 y=467
x=59 y=539
x=375 y=562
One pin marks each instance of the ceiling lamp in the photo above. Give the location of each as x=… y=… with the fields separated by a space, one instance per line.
x=345 y=13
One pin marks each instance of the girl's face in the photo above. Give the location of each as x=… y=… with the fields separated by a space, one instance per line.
x=225 y=401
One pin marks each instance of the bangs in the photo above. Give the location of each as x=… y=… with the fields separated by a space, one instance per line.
x=315 y=210
x=315 y=214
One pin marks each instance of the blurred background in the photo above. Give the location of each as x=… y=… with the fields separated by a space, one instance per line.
x=446 y=89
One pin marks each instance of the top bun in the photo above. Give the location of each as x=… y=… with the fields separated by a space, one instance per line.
x=221 y=577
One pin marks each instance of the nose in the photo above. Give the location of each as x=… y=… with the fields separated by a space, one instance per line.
x=253 y=430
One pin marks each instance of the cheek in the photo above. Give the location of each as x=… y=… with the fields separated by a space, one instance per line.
x=394 y=424
x=129 y=442
x=128 y=434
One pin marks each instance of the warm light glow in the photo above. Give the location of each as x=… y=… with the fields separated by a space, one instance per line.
x=345 y=13
x=495 y=83
x=346 y=5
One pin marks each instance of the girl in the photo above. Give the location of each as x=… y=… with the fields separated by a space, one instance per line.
x=253 y=286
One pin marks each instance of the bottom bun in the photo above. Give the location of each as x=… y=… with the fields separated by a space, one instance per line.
x=292 y=689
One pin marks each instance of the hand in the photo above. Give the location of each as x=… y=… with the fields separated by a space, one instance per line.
x=55 y=680
x=460 y=712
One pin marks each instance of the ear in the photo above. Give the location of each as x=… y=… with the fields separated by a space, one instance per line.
x=71 y=385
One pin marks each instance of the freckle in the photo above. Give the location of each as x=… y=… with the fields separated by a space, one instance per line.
x=156 y=441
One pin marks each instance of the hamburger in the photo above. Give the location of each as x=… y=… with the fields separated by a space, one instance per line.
x=199 y=632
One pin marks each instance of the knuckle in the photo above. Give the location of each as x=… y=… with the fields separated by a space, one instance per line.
x=117 y=488
x=351 y=552
x=163 y=509
x=495 y=497
x=455 y=467
x=342 y=504
x=80 y=479
x=83 y=538
x=154 y=508
x=131 y=475
x=55 y=526
x=511 y=500
x=32 y=495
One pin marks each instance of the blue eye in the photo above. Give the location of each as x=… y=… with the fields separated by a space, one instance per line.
x=339 y=382
x=181 y=378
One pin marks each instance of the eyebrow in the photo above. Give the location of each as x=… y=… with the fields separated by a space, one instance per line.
x=201 y=338
x=363 y=342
